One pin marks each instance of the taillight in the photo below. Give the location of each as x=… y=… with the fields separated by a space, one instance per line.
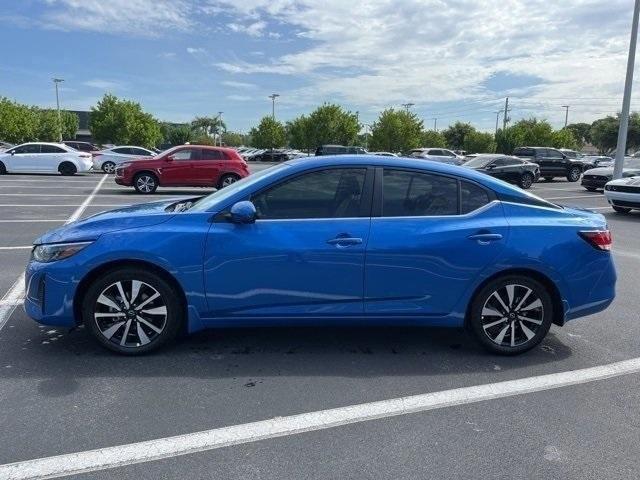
x=598 y=239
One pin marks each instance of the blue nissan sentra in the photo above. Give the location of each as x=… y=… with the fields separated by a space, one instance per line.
x=333 y=240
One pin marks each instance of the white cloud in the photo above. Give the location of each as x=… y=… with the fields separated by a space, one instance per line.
x=234 y=84
x=254 y=29
x=196 y=50
x=167 y=55
x=137 y=17
x=102 y=84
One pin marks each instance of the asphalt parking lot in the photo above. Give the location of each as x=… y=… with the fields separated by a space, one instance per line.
x=61 y=393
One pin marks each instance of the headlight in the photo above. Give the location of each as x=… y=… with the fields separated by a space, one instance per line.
x=56 y=251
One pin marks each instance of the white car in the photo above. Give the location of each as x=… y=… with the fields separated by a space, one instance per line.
x=437 y=155
x=41 y=157
x=623 y=194
x=383 y=154
x=106 y=160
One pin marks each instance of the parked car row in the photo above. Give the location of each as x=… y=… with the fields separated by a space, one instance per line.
x=44 y=157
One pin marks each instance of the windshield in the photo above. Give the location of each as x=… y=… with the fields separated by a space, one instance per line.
x=480 y=161
x=205 y=203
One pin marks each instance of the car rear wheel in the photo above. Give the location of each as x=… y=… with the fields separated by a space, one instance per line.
x=145 y=183
x=227 y=180
x=621 y=209
x=3 y=169
x=548 y=179
x=108 y=167
x=574 y=174
x=67 y=169
x=511 y=314
x=526 y=180
x=132 y=311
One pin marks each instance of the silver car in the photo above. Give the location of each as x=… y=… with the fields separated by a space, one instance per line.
x=437 y=155
x=106 y=160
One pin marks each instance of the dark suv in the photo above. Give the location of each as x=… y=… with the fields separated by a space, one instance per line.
x=339 y=150
x=553 y=163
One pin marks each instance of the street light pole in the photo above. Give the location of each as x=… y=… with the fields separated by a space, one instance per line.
x=220 y=124
x=497 y=118
x=621 y=148
x=407 y=106
x=435 y=124
x=56 y=81
x=566 y=115
x=273 y=97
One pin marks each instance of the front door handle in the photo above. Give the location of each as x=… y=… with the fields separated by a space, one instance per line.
x=484 y=238
x=344 y=241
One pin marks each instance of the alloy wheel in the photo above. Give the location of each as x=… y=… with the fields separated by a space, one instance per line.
x=145 y=183
x=130 y=313
x=109 y=167
x=228 y=180
x=512 y=315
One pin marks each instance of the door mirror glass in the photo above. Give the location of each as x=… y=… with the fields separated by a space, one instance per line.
x=243 y=212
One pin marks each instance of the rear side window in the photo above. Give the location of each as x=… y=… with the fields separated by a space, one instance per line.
x=412 y=194
x=122 y=151
x=472 y=197
x=212 y=155
x=51 y=149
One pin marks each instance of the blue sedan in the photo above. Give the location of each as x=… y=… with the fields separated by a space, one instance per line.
x=362 y=240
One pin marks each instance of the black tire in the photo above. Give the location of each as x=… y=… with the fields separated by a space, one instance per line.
x=108 y=167
x=526 y=180
x=3 y=169
x=144 y=331
x=591 y=189
x=573 y=175
x=67 y=169
x=528 y=303
x=145 y=182
x=227 y=180
x=548 y=179
x=621 y=209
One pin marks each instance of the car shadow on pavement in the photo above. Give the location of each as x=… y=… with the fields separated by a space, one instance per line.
x=59 y=359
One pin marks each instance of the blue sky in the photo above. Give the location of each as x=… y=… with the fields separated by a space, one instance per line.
x=455 y=60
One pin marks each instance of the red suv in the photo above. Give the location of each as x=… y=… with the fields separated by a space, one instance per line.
x=183 y=166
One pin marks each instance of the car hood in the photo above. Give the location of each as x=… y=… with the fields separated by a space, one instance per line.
x=601 y=171
x=134 y=216
x=632 y=181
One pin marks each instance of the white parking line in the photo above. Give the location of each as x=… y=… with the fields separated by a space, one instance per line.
x=21 y=247
x=121 y=455
x=57 y=206
x=14 y=296
x=593 y=195
x=27 y=220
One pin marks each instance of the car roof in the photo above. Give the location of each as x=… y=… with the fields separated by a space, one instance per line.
x=128 y=146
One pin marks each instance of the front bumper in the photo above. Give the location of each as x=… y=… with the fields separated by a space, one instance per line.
x=623 y=199
x=49 y=294
x=593 y=181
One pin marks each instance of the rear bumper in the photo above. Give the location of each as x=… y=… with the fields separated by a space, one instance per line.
x=601 y=293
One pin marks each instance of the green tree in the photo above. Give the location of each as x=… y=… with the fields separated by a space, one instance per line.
x=299 y=133
x=534 y=133
x=204 y=139
x=178 y=134
x=479 y=142
x=331 y=124
x=604 y=133
x=456 y=133
x=268 y=134
x=564 y=138
x=18 y=123
x=234 y=139
x=508 y=139
x=396 y=131
x=433 y=138
x=48 y=127
x=208 y=125
x=581 y=132
x=123 y=122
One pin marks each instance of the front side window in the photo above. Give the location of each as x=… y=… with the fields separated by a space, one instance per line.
x=187 y=154
x=33 y=148
x=122 y=151
x=331 y=193
x=141 y=152
x=412 y=194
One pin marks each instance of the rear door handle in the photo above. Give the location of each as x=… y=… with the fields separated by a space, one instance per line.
x=485 y=237
x=344 y=241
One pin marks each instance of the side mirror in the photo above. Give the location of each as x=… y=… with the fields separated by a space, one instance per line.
x=243 y=213
x=564 y=157
x=170 y=158
x=12 y=153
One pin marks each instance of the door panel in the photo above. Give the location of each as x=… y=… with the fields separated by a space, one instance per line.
x=286 y=267
x=180 y=170
x=423 y=265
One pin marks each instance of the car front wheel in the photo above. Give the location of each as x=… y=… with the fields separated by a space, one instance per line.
x=132 y=311
x=145 y=183
x=574 y=174
x=511 y=315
